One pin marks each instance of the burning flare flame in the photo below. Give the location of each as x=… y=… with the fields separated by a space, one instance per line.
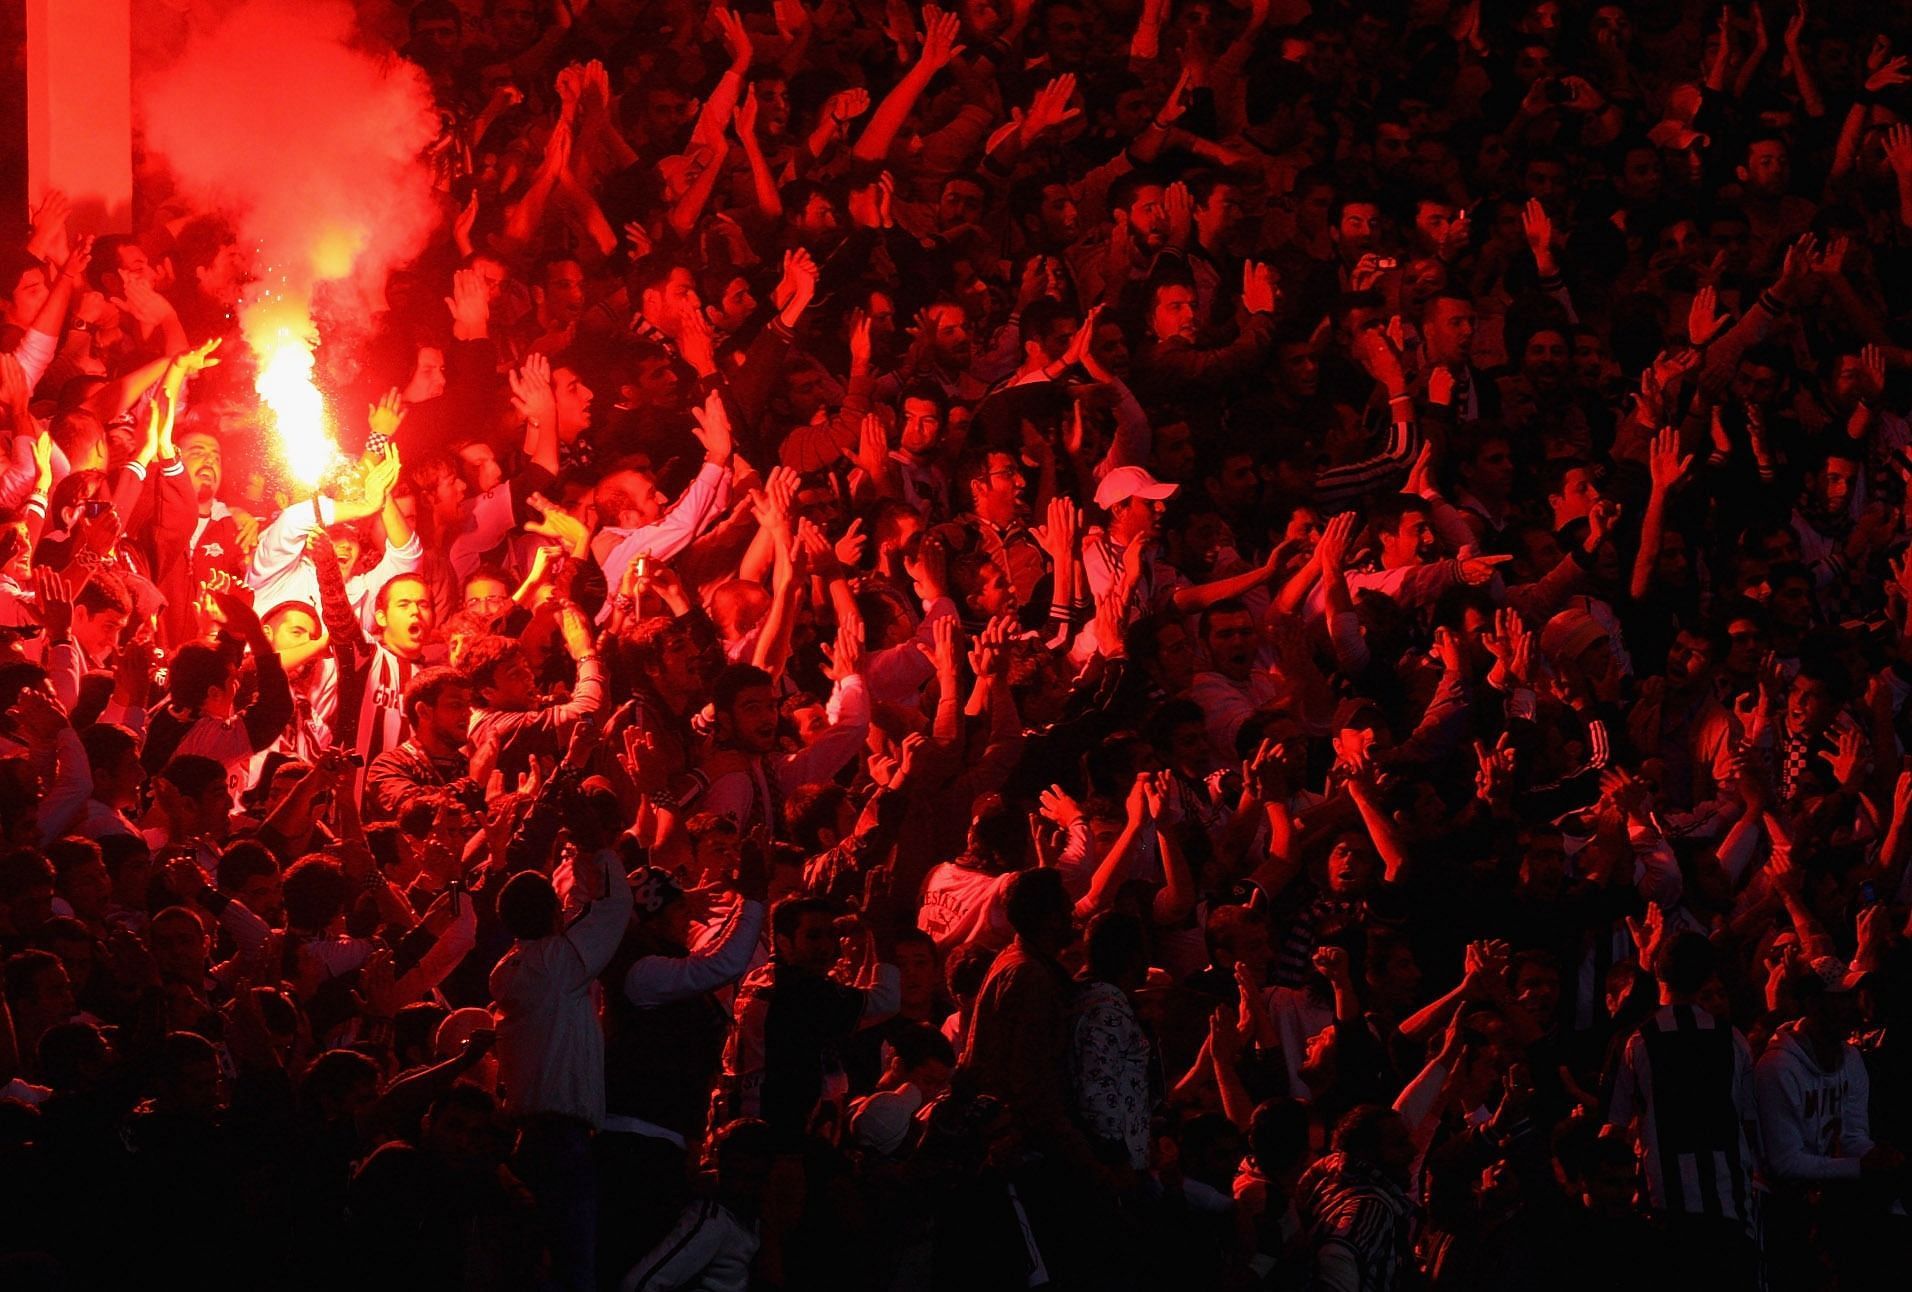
x=280 y=334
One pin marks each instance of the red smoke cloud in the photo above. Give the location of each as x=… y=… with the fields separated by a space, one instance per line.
x=310 y=146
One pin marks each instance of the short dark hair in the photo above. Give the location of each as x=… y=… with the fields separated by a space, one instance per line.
x=385 y=589
x=247 y=859
x=1386 y=512
x=733 y=681
x=24 y=969
x=192 y=774
x=788 y=914
x=1358 y=1134
x=1685 y=962
x=194 y=670
x=811 y=810
x=650 y=274
x=107 y=743
x=528 y=906
x=429 y=684
x=918 y=1043
x=1226 y=606
x=316 y=891
x=484 y=659
x=1035 y=896
x=1117 y=946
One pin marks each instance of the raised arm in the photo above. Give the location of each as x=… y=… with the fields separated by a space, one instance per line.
x=940 y=31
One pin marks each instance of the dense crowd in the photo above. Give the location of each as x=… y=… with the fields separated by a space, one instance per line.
x=1099 y=644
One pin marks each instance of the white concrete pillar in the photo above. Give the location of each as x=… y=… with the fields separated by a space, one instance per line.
x=80 y=109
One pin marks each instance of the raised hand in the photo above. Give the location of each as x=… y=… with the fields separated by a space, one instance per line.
x=1601 y=518
x=469 y=303
x=49 y=239
x=195 y=361
x=54 y=599
x=1666 y=464
x=1846 y=758
x=1798 y=265
x=575 y=629
x=846 y=659
x=1888 y=74
x=1377 y=355
x=713 y=429
x=743 y=118
x=1259 y=290
x=531 y=394
x=736 y=37
x=848 y=549
x=555 y=522
x=798 y=286
x=943 y=650
x=940 y=33
x=1050 y=108
x=1057 y=536
x=387 y=415
x=1055 y=804
x=1898 y=150
x=380 y=475
x=1494 y=781
x=143 y=304
x=846 y=106
x=1703 y=319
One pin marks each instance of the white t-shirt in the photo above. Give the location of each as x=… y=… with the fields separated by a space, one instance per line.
x=963 y=905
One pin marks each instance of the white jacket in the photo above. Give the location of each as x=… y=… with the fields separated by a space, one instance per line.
x=1813 y=1124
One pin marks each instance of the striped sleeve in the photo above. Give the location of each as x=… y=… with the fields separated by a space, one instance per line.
x=1356 y=480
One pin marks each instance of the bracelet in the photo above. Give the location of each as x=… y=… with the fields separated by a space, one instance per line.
x=624 y=605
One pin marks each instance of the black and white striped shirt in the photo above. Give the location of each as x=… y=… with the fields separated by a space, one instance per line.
x=1685 y=1089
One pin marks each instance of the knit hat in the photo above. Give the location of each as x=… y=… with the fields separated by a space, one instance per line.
x=653 y=889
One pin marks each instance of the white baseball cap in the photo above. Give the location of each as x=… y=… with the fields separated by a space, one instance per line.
x=1125 y=483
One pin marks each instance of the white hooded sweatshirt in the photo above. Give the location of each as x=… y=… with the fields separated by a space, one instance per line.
x=1813 y=1123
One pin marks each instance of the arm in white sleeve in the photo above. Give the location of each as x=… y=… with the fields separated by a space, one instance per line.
x=1448 y=523
x=849 y=711
x=65 y=669
x=16 y=482
x=1421 y=1096
x=72 y=786
x=703 y=499
x=884 y=999
x=35 y=354
x=1350 y=646
x=1073 y=862
x=1130 y=445
x=1657 y=870
x=444 y=955
x=282 y=543
x=248 y=931
x=596 y=934
x=660 y=980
